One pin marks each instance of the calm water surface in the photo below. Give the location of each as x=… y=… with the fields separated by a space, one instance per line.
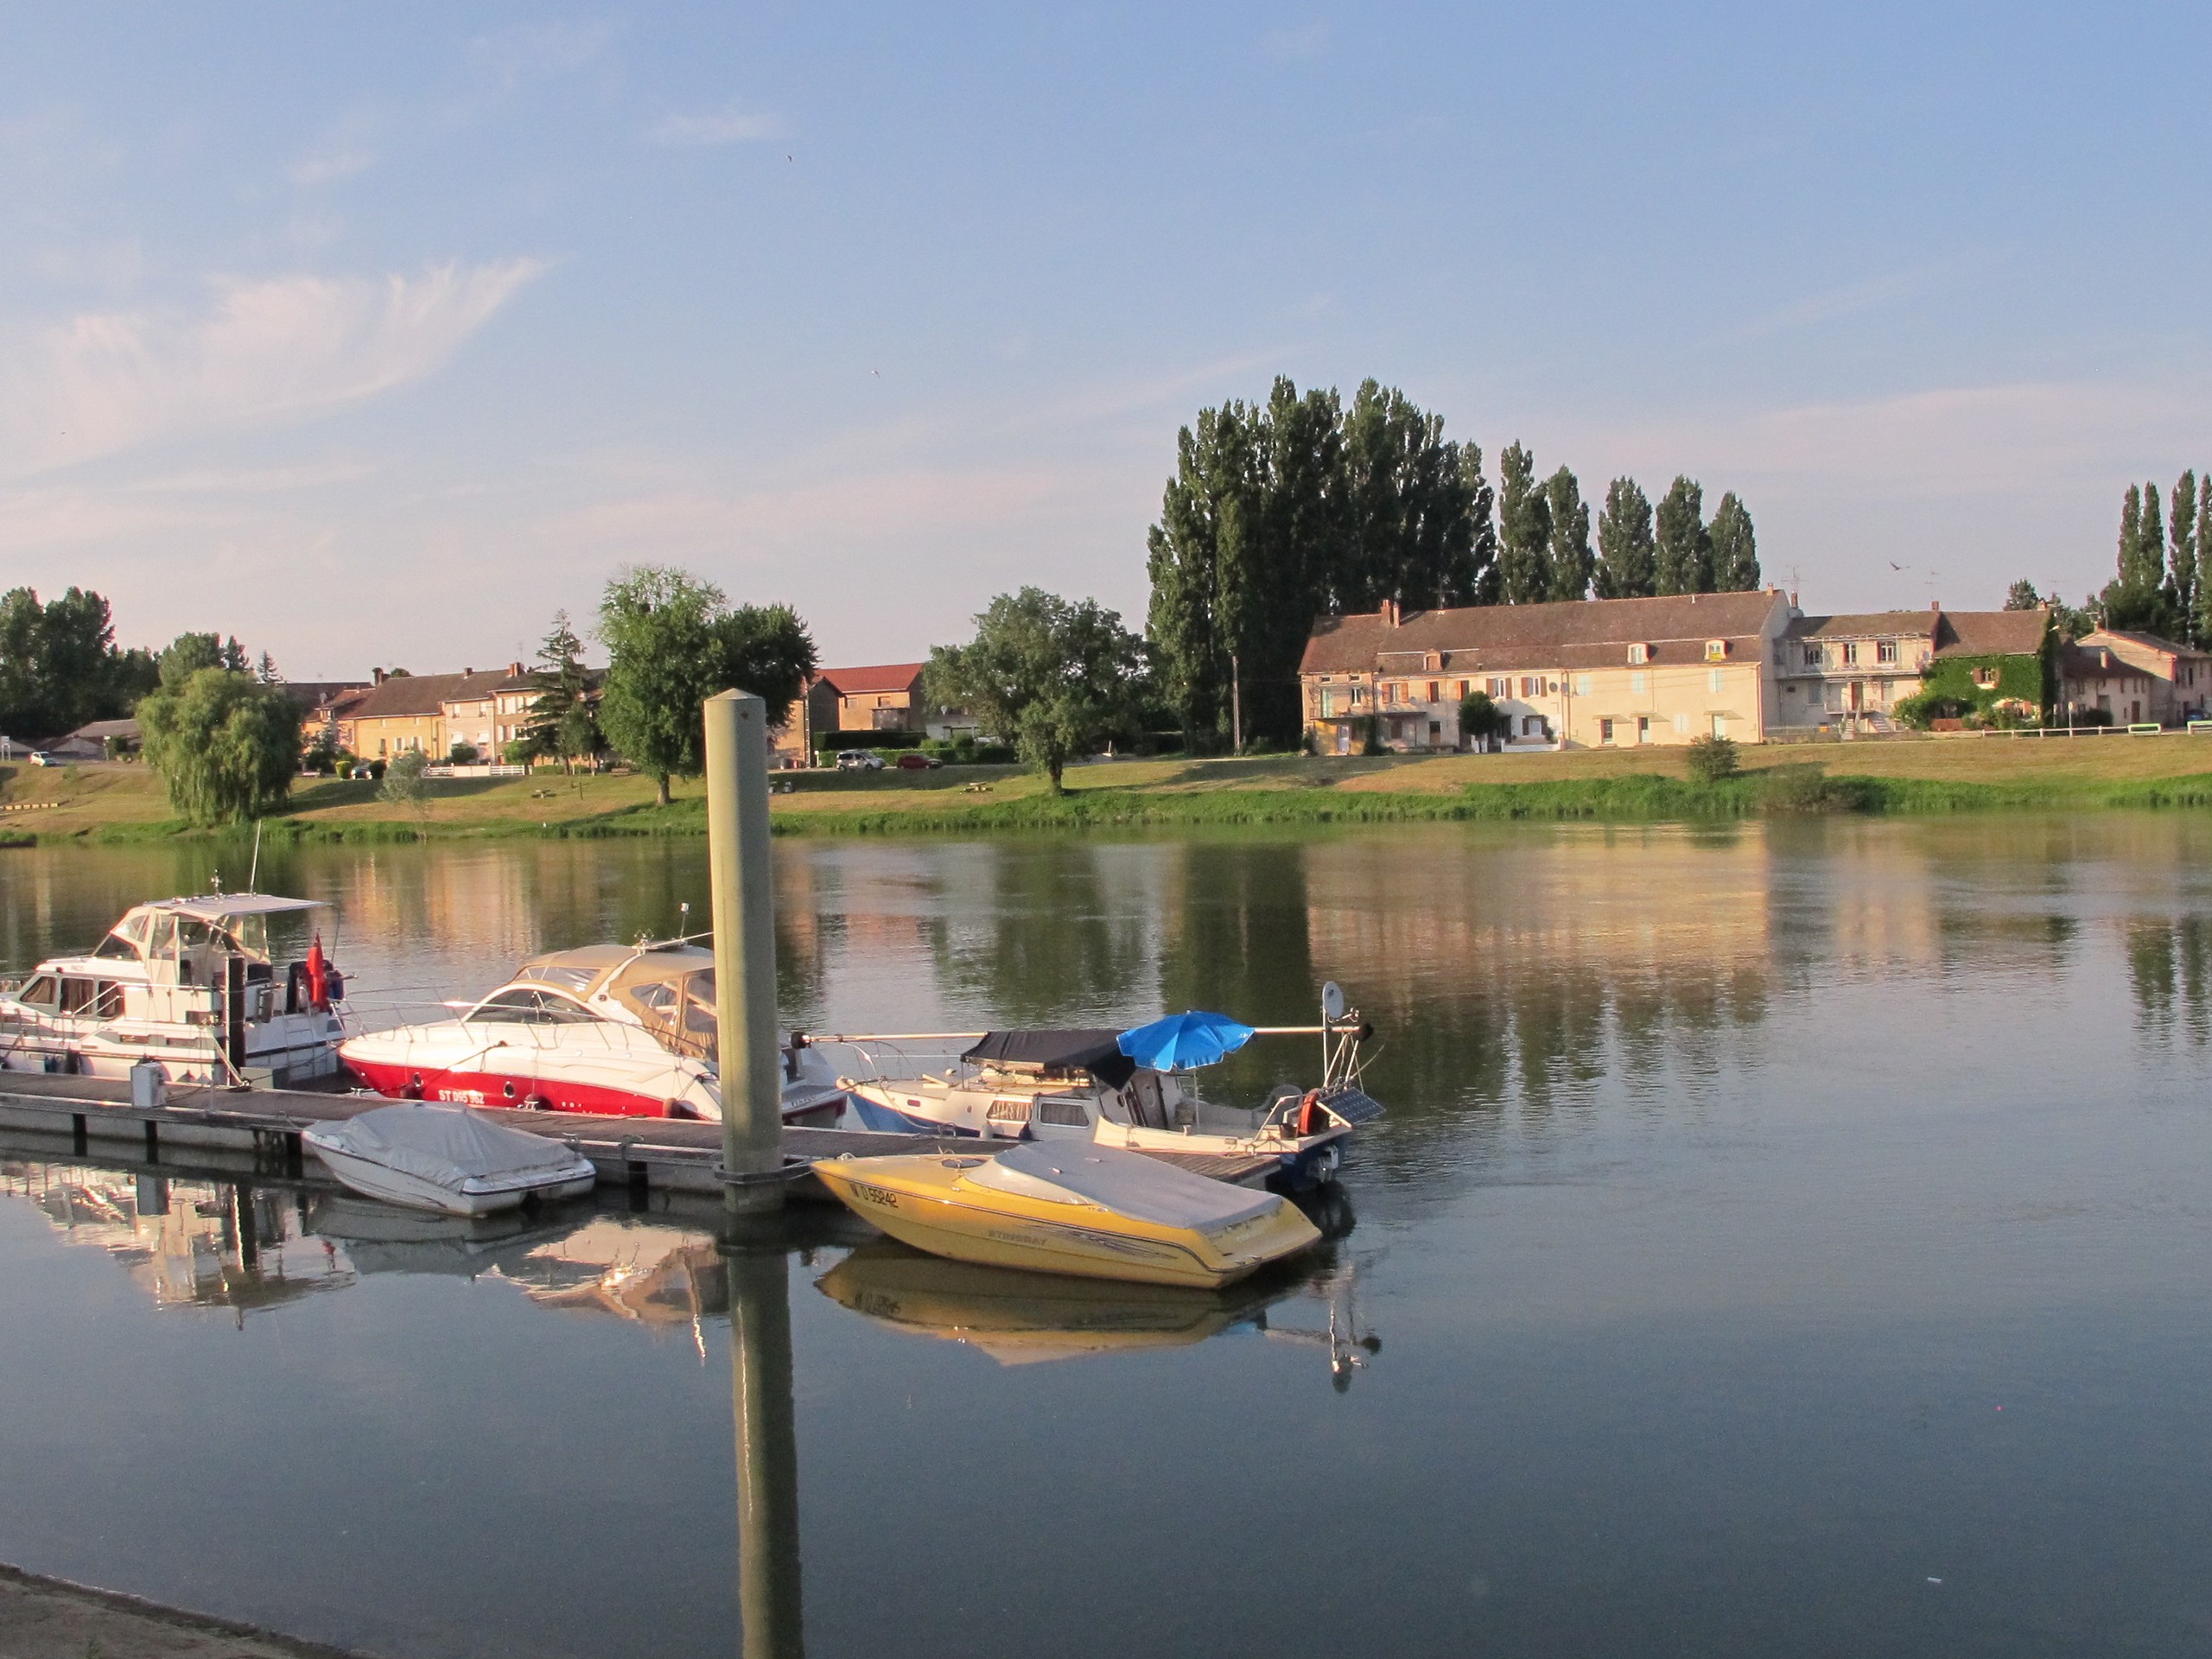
x=1784 y=1240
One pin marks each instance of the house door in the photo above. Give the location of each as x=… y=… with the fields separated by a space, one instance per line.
x=1643 y=728
x=1344 y=739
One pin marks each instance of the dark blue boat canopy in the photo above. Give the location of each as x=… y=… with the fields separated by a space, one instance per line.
x=1097 y=1053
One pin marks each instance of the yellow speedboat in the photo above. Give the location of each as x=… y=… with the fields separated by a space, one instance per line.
x=1088 y=1210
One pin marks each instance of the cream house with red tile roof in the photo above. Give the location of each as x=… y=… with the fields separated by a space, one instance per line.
x=1596 y=673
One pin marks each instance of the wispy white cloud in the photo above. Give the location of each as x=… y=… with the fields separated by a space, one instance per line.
x=1850 y=299
x=329 y=166
x=260 y=352
x=1307 y=41
x=732 y=125
x=547 y=48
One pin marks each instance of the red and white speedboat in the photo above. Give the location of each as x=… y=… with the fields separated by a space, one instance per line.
x=619 y=1029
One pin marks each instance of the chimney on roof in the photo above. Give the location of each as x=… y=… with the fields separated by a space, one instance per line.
x=465 y=672
x=376 y=676
x=1934 y=604
x=1390 y=612
x=514 y=670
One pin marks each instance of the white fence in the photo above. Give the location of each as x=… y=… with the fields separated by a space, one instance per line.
x=476 y=771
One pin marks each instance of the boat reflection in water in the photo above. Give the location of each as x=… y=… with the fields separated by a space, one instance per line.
x=1022 y=1319
x=189 y=1243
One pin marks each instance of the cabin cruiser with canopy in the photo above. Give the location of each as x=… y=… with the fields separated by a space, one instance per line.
x=628 y=1030
x=1135 y=1090
x=193 y=985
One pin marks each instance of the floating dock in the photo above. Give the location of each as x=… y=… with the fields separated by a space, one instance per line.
x=237 y=1133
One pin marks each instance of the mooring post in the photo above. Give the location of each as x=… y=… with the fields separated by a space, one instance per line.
x=744 y=907
x=769 y=1587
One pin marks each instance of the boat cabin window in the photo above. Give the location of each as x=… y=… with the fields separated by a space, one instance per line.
x=568 y=975
x=92 y=999
x=516 y=1007
x=41 y=993
x=116 y=948
x=1061 y=1110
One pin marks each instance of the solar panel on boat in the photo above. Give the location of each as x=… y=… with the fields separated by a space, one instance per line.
x=1353 y=1104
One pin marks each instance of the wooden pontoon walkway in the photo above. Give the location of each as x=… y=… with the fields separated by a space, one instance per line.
x=645 y=1154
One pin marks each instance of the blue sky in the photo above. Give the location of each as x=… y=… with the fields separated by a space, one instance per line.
x=375 y=333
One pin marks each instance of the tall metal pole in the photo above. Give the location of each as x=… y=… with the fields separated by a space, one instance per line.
x=744 y=952
x=770 y=1603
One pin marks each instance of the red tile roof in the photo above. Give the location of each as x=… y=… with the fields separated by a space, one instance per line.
x=1993 y=633
x=875 y=677
x=1575 y=633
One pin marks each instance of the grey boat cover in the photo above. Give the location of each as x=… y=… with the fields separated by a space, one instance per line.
x=1098 y=1052
x=1127 y=1182
x=448 y=1145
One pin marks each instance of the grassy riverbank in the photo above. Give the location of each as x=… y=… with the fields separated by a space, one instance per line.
x=119 y=803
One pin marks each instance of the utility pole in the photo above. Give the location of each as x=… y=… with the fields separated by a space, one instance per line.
x=744 y=909
x=1236 y=705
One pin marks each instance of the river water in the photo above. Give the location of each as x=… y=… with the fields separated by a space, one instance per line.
x=1784 y=1239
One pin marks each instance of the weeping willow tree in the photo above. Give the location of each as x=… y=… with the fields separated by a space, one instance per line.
x=225 y=745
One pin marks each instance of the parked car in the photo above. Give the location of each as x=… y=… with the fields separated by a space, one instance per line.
x=858 y=761
x=915 y=760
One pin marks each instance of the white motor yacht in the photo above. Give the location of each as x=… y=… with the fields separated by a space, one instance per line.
x=188 y=983
x=628 y=1030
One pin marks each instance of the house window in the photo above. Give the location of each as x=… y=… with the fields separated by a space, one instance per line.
x=1985 y=676
x=1582 y=685
x=1851 y=653
x=1532 y=685
x=1433 y=697
x=1812 y=656
x=1635 y=683
x=1716 y=650
x=1886 y=652
x=1715 y=680
x=1639 y=653
x=1498 y=686
x=1682 y=724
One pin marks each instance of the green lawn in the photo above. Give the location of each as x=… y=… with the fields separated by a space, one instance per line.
x=126 y=802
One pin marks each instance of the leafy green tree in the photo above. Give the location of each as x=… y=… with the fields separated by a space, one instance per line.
x=59 y=667
x=1569 y=550
x=1482 y=720
x=561 y=725
x=1409 y=523
x=1210 y=517
x=2022 y=597
x=2202 y=619
x=1059 y=679
x=1711 y=758
x=406 y=785
x=673 y=642
x=2138 y=597
x=1682 y=556
x=190 y=652
x=226 y=744
x=1735 y=547
x=1624 y=543
x=2184 y=562
x=1524 y=529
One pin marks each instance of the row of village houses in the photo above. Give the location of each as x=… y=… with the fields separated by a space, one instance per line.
x=1588 y=673
x=1751 y=666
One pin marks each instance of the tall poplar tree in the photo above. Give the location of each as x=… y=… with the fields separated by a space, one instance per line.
x=2184 y=559
x=1569 y=550
x=1624 y=546
x=1481 y=571
x=2138 y=597
x=1735 y=548
x=1214 y=466
x=1683 y=560
x=1407 y=527
x=1524 y=529
x=2203 y=619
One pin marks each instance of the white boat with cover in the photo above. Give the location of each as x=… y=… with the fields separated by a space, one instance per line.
x=1135 y=1090
x=447 y=1158
x=194 y=985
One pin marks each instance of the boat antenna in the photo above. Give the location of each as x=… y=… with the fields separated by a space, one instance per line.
x=253 y=875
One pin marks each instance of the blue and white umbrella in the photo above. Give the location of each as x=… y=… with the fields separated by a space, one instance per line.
x=1185 y=1040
